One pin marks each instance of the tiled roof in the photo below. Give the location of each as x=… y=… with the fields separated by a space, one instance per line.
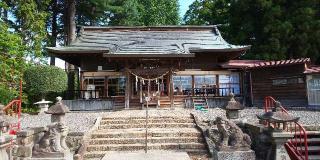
x=282 y=62
x=176 y=40
x=262 y=63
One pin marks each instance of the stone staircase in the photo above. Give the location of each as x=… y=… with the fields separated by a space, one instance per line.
x=118 y=103
x=179 y=102
x=128 y=134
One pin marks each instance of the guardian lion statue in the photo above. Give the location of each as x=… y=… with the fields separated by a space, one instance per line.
x=226 y=135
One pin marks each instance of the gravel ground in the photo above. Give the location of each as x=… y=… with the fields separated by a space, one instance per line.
x=83 y=121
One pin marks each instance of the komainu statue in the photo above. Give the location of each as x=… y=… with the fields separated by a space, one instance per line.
x=226 y=135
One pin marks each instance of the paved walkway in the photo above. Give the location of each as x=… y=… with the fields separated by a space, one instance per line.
x=151 y=155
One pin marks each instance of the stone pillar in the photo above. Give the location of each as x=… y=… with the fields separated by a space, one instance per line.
x=280 y=138
x=23 y=149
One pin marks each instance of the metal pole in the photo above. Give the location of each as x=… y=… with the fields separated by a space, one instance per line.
x=147 y=116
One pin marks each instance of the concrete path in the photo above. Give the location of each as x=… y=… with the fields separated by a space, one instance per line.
x=151 y=155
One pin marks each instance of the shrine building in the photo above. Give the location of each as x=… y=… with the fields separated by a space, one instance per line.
x=174 y=66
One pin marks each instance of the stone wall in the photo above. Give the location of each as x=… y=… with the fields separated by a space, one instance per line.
x=88 y=105
x=32 y=136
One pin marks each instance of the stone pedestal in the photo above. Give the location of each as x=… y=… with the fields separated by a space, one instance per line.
x=235 y=155
x=280 y=138
x=5 y=151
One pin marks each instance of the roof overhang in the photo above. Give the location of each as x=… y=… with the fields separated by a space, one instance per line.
x=222 y=50
x=146 y=55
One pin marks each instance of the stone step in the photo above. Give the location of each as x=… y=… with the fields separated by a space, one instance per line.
x=99 y=141
x=152 y=132
x=95 y=155
x=151 y=120
x=155 y=146
x=150 y=125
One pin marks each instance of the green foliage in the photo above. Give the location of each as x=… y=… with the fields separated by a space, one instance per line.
x=12 y=63
x=128 y=12
x=30 y=110
x=208 y=12
x=41 y=80
x=30 y=22
x=160 y=12
x=275 y=29
x=6 y=94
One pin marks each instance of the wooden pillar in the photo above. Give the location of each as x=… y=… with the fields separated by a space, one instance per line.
x=106 y=94
x=193 y=85
x=171 y=90
x=127 y=92
x=218 y=86
x=158 y=93
x=140 y=92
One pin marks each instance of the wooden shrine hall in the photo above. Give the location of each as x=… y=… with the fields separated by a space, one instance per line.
x=174 y=66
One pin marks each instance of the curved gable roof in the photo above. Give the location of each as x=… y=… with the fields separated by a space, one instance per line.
x=143 y=41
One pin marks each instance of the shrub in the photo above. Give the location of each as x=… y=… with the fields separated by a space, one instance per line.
x=43 y=80
x=7 y=94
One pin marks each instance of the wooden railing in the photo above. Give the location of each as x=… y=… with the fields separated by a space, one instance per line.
x=14 y=109
x=209 y=92
x=297 y=146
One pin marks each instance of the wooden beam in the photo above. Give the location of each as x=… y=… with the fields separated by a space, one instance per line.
x=195 y=72
x=102 y=74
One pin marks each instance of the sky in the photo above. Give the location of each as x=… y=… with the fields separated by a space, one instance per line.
x=184 y=6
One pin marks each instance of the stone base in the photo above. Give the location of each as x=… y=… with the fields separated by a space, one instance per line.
x=52 y=156
x=235 y=155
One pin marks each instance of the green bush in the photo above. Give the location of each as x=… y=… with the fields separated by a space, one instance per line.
x=44 y=80
x=7 y=94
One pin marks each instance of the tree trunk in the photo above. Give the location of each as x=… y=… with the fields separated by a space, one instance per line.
x=54 y=28
x=70 y=21
x=70 y=32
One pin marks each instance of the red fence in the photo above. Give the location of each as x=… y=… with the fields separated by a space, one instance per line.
x=14 y=109
x=297 y=146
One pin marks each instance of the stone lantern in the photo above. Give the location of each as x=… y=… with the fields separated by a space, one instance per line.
x=43 y=105
x=233 y=107
x=278 y=117
x=58 y=111
x=53 y=144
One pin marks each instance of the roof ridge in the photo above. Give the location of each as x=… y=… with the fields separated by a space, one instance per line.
x=151 y=28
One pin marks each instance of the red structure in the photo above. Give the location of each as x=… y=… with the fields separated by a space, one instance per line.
x=14 y=107
x=297 y=147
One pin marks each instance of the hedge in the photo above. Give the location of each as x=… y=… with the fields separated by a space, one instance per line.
x=44 y=79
